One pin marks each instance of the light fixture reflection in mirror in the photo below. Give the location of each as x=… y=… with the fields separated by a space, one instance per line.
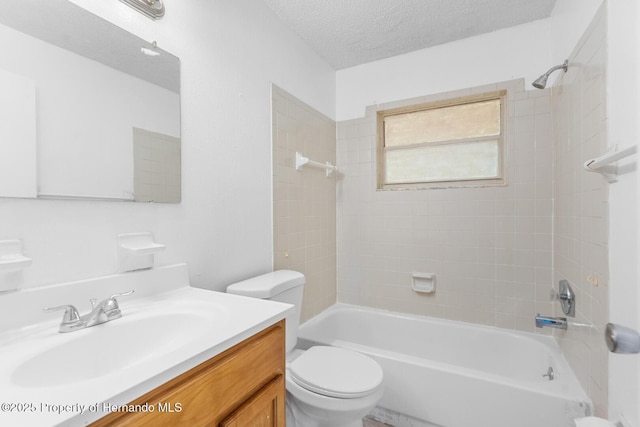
x=154 y=9
x=94 y=86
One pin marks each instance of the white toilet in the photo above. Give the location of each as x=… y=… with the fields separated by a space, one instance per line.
x=326 y=386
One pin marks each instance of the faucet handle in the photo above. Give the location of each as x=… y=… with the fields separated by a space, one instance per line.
x=112 y=303
x=71 y=314
x=123 y=294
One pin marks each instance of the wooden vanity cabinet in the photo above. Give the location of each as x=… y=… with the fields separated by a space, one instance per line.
x=242 y=387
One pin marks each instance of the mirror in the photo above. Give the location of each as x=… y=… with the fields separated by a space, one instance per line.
x=89 y=111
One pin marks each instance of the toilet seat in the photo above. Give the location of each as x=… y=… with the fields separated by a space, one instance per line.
x=336 y=372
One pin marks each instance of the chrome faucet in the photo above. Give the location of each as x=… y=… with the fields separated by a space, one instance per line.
x=102 y=312
x=551 y=322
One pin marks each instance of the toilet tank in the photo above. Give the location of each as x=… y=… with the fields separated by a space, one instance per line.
x=281 y=285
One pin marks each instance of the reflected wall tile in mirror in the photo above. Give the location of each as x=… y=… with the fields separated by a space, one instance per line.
x=156 y=166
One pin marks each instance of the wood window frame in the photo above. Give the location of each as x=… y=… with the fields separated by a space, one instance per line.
x=453 y=183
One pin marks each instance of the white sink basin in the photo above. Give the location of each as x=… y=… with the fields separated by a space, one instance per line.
x=167 y=327
x=114 y=346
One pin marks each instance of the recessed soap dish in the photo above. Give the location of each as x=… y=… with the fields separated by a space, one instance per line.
x=423 y=282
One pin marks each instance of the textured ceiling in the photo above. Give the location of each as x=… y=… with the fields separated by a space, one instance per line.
x=352 y=32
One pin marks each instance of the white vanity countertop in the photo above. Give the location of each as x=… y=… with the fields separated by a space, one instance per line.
x=49 y=378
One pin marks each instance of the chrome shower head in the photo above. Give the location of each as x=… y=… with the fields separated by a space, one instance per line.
x=541 y=82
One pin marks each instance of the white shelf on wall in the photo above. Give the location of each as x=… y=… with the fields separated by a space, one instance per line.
x=12 y=262
x=142 y=248
x=11 y=257
x=16 y=262
x=136 y=251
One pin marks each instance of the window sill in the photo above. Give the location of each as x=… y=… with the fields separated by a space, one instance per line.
x=485 y=183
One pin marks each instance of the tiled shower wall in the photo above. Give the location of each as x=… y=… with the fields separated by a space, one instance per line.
x=581 y=207
x=490 y=248
x=304 y=202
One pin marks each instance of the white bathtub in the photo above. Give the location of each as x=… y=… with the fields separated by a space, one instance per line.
x=456 y=374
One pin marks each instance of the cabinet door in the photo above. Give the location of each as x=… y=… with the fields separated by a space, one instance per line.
x=216 y=388
x=263 y=409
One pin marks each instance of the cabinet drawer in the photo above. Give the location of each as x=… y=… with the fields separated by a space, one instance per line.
x=208 y=393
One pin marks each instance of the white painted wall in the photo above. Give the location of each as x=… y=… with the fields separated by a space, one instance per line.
x=568 y=21
x=512 y=53
x=231 y=51
x=523 y=51
x=17 y=135
x=623 y=110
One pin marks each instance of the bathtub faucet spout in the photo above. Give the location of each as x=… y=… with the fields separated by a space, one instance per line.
x=551 y=322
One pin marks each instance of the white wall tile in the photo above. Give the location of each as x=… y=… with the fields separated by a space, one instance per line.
x=304 y=208
x=580 y=208
x=480 y=242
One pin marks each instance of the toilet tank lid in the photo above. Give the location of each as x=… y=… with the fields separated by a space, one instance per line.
x=267 y=285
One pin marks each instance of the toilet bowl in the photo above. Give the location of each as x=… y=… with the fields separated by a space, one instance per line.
x=326 y=386
x=330 y=386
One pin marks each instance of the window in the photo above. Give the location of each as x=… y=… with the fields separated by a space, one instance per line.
x=454 y=141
